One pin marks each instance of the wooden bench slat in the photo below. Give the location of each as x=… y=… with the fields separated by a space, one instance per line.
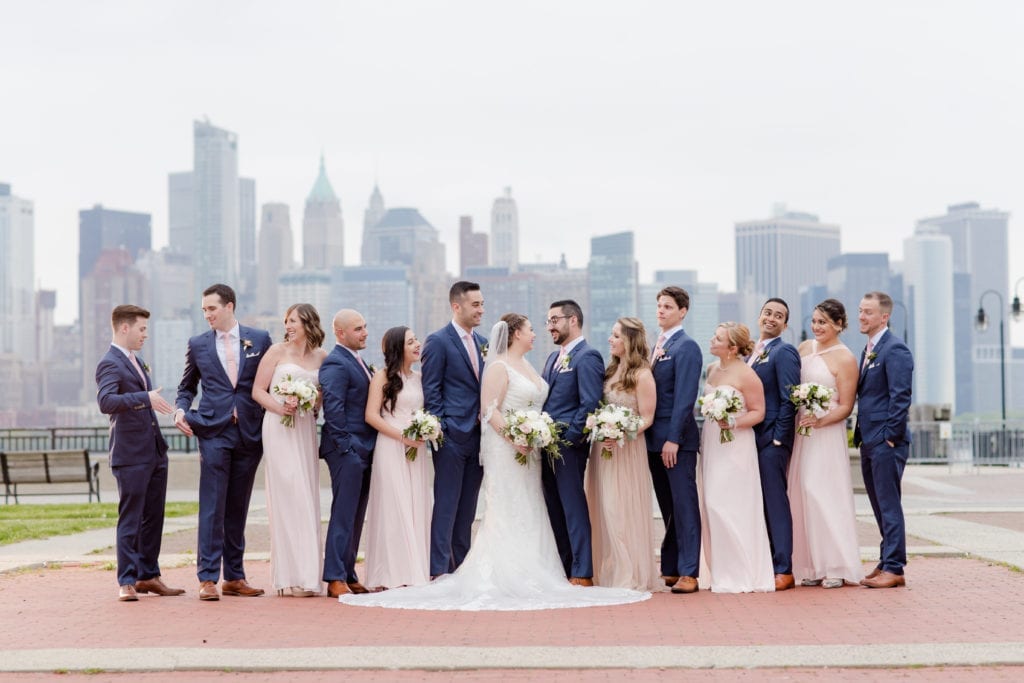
x=47 y=467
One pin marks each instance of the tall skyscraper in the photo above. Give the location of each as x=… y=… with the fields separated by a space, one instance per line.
x=374 y=212
x=928 y=285
x=472 y=245
x=323 y=230
x=980 y=240
x=505 y=232
x=613 y=275
x=215 y=184
x=276 y=255
x=17 y=276
x=777 y=256
x=247 y=275
x=181 y=213
x=100 y=228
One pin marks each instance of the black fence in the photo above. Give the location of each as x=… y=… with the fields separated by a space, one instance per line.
x=96 y=439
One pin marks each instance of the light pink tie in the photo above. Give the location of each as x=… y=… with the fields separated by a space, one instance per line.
x=756 y=353
x=229 y=358
x=867 y=355
x=468 y=341
x=659 y=345
x=138 y=368
x=366 y=368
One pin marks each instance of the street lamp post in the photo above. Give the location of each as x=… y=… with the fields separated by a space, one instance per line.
x=1015 y=306
x=981 y=324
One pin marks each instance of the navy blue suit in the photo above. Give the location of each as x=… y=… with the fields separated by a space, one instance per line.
x=230 y=449
x=575 y=389
x=451 y=391
x=138 y=461
x=778 y=367
x=883 y=403
x=677 y=379
x=346 y=444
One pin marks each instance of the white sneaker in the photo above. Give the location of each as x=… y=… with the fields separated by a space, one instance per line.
x=832 y=583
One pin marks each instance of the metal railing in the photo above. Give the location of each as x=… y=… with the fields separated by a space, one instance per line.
x=978 y=442
x=95 y=439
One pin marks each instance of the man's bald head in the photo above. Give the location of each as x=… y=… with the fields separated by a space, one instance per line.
x=350 y=329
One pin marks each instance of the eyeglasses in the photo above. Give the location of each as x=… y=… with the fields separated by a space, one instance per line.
x=553 y=320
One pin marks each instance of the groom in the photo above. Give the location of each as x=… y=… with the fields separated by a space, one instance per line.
x=883 y=403
x=451 y=364
x=575 y=376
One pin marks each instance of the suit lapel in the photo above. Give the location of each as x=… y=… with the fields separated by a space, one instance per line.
x=457 y=340
x=127 y=363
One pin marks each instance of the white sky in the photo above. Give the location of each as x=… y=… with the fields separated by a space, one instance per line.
x=668 y=118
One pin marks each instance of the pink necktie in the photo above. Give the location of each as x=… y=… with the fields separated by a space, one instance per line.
x=229 y=358
x=138 y=368
x=758 y=348
x=366 y=368
x=660 y=344
x=468 y=341
x=867 y=355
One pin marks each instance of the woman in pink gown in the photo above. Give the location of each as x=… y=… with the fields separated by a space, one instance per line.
x=290 y=459
x=825 y=547
x=401 y=497
x=735 y=538
x=619 y=488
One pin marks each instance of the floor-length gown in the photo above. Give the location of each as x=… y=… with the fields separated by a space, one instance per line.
x=401 y=499
x=825 y=541
x=735 y=538
x=621 y=514
x=292 y=475
x=513 y=563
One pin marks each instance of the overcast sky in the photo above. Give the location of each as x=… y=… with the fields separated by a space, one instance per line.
x=672 y=119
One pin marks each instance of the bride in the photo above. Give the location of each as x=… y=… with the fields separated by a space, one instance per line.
x=513 y=563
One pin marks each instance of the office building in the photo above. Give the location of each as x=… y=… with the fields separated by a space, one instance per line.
x=323 y=230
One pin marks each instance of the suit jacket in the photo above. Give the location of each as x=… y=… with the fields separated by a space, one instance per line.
x=884 y=392
x=575 y=389
x=779 y=371
x=451 y=390
x=677 y=379
x=219 y=399
x=122 y=394
x=345 y=386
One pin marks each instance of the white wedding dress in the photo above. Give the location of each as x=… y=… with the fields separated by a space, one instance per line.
x=513 y=563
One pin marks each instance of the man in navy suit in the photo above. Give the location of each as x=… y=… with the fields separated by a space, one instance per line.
x=777 y=364
x=452 y=362
x=229 y=427
x=883 y=404
x=138 y=454
x=673 y=439
x=346 y=445
x=575 y=377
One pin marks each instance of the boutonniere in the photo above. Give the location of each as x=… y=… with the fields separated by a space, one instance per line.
x=658 y=353
x=247 y=344
x=873 y=355
x=565 y=362
x=370 y=367
x=763 y=358
x=483 y=349
x=145 y=366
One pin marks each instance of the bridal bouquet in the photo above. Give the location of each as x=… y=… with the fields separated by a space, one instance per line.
x=612 y=422
x=300 y=388
x=533 y=429
x=722 y=405
x=814 y=397
x=424 y=427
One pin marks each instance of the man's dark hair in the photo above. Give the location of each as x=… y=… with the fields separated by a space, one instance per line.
x=777 y=300
x=226 y=294
x=459 y=290
x=682 y=299
x=127 y=313
x=570 y=308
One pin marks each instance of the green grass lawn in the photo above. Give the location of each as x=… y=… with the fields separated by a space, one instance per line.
x=27 y=522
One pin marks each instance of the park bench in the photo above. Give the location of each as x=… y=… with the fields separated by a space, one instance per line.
x=48 y=467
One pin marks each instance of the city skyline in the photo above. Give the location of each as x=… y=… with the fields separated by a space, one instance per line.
x=694 y=119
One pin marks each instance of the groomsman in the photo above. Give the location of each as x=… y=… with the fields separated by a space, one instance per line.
x=138 y=454
x=673 y=439
x=452 y=362
x=229 y=428
x=575 y=375
x=346 y=444
x=778 y=365
x=883 y=403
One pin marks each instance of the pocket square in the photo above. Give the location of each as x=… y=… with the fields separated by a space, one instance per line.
x=563 y=370
x=252 y=355
x=871 y=365
x=662 y=359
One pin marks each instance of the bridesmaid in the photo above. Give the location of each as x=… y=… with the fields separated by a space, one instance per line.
x=290 y=458
x=401 y=495
x=825 y=547
x=736 y=545
x=619 y=489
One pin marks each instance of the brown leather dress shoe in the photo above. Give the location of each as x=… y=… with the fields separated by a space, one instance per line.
x=357 y=587
x=783 y=582
x=584 y=581
x=208 y=591
x=127 y=593
x=885 y=580
x=240 y=587
x=155 y=585
x=874 y=572
x=670 y=580
x=337 y=588
x=685 y=584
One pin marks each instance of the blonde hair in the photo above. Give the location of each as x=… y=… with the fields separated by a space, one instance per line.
x=635 y=356
x=739 y=336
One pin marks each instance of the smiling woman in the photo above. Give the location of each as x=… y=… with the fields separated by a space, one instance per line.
x=29 y=522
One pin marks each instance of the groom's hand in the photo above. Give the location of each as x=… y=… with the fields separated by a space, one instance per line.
x=668 y=454
x=181 y=424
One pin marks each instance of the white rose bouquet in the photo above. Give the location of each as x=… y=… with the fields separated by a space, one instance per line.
x=612 y=422
x=814 y=398
x=423 y=427
x=302 y=389
x=533 y=429
x=724 y=404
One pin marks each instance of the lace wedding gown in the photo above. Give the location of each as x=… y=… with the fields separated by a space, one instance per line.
x=513 y=563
